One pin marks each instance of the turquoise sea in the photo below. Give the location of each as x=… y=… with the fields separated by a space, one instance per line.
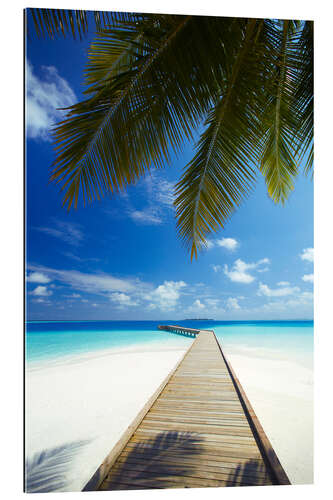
x=53 y=340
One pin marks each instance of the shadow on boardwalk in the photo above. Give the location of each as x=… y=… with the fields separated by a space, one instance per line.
x=249 y=473
x=166 y=462
x=46 y=471
x=150 y=460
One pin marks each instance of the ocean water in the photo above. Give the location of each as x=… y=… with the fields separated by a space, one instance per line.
x=55 y=340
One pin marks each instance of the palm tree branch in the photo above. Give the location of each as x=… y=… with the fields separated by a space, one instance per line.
x=196 y=214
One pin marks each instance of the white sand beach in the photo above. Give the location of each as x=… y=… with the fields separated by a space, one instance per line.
x=281 y=394
x=76 y=411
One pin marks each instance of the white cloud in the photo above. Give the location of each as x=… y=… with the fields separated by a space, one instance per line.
x=37 y=277
x=41 y=291
x=165 y=296
x=239 y=272
x=98 y=283
x=307 y=254
x=209 y=305
x=210 y=244
x=67 y=231
x=232 y=303
x=278 y=292
x=164 y=192
x=122 y=300
x=228 y=243
x=198 y=305
x=73 y=296
x=41 y=300
x=216 y=268
x=45 y=96
x=212 y=303
x=147 y=217
x=308 y=277
x=283 y=283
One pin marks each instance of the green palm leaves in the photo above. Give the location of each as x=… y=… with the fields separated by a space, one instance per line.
x=151 y=80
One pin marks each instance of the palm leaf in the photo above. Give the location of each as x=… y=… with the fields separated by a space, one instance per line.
x=279 y=164
x=303 y=102
x=53 y=22
x=148 y=81
x=220 y=174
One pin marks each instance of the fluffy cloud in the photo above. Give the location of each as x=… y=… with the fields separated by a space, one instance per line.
x=283 y=283
x=68 y=232
x=45 y=96
x=147 y=217
x=210 y=306
x=41 y=291
x=232 y=303
x=122 y=300
x=165 y=297
x=239 y=272
x=228 y=243
x=197 y=304
x=37 y=277
x=210 y=244
x=216 y=268
x=307 y=254
x=212 y=303
x=278 y=292
x=308 y=277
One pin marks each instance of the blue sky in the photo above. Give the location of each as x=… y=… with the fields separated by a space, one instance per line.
x=121 y=258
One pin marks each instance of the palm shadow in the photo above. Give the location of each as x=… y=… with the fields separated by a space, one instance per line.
x=46 y=471
x=249 y=473
x=159 y=458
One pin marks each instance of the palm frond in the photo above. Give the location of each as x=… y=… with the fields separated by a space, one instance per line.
x=303 y=102
x=279 y=163
x=220 y=174
x=53 y=22
x=148 y=81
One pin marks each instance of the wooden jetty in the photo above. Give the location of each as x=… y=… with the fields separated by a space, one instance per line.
x=197 y=430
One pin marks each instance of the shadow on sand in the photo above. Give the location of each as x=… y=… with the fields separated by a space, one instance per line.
x=46 y=471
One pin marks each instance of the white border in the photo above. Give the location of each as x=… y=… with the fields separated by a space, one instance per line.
x=12 y=241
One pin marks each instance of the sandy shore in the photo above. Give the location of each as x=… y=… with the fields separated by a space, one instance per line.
x=76 y=411
x=281 y=394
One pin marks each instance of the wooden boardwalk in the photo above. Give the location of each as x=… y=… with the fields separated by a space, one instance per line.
x=198 y=430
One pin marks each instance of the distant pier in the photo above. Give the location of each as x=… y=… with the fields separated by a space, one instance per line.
x=197 y=430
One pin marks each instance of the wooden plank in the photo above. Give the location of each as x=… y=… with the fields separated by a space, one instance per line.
x=209 y=462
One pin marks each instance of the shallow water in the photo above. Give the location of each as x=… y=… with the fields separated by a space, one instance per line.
x=46 y=341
